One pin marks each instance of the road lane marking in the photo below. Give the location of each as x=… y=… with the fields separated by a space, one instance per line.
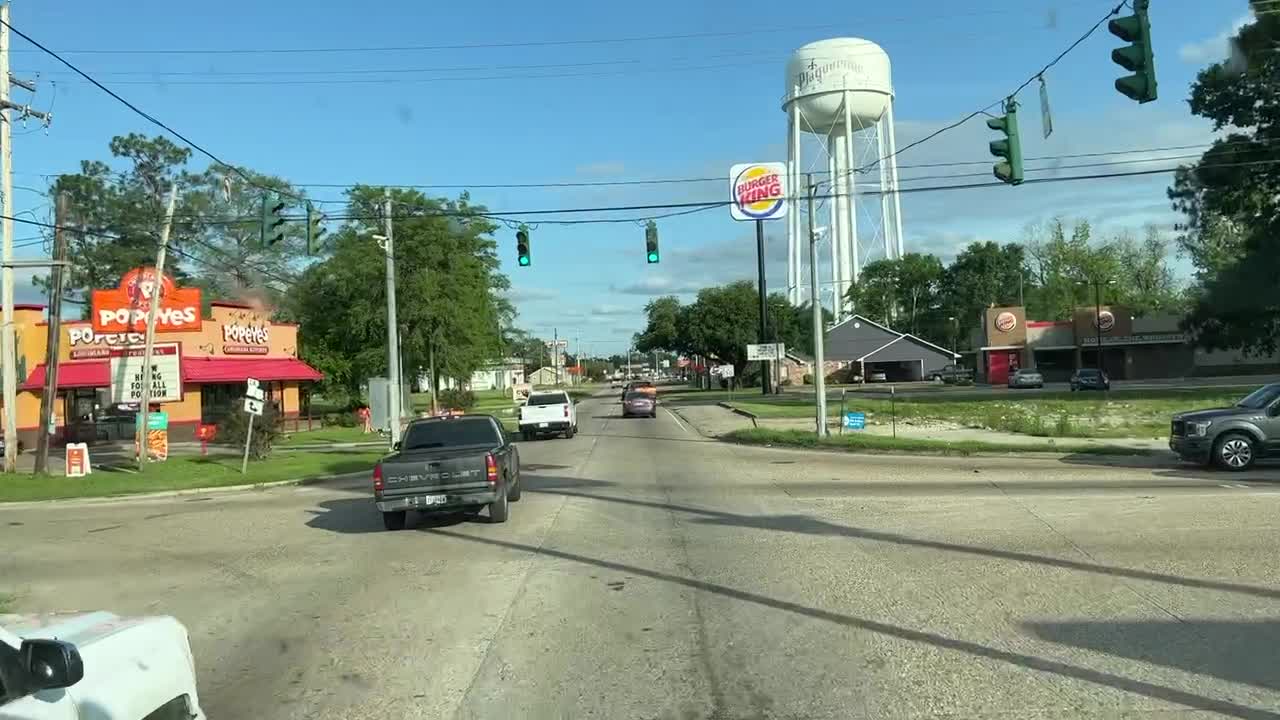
x=677 y=419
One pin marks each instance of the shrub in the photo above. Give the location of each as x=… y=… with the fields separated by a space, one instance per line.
x=455 y=398
x=808 y=379
x=266 y=429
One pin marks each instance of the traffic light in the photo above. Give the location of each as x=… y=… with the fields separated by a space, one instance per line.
x=315 y=229
x=651 y=242
x=522 y=246
x=272 y=219
x=1136 y=57
x=1010 y=148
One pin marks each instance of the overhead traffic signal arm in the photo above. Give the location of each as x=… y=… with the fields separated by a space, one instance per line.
x=1137 y=56
x=651 y=242
x=523 y=258
x=1010 y=148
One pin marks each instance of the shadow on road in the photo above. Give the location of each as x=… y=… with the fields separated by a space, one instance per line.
x=1235 y=651
x=813 y=526
x=1175 y=466
x=1031 y=662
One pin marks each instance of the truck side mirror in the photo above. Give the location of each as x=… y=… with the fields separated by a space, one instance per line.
x=396 y=446
x=51 y=664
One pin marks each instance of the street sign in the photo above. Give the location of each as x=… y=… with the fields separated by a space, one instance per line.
x=724 y=371
x=254 y=390
x=855 y=420
x=253 y=407
x=766 y=351
x=758 y=191
x=166 y=374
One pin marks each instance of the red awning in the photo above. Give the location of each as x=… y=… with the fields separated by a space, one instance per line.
x=97 y=373
x=228 y=370
x=92 y=373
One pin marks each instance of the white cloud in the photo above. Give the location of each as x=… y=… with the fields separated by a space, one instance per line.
x=532 y=294
x=1213 y=49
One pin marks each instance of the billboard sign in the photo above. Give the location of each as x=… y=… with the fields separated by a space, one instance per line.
x=127 y=377
x=124 y=309
x=766 y=351
x=758 y=191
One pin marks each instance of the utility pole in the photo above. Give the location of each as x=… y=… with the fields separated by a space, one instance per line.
x=393 y=330
x=50 y=394
x=144 y=407
x=819 y=366
x=8 y=344
x=555 y=353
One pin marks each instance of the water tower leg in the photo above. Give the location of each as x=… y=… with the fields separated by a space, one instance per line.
x=892 y=149
x=794 y=241
x=887 y=221
x=834 y=227
x=853 y=260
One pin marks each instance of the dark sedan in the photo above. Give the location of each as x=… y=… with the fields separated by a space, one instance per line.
x=639 y=404
x=1090 y=379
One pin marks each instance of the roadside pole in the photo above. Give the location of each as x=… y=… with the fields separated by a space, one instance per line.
x=819 y=381
x=50 y=393
x=765 y=377
x=248 y=437
x=393 y=335
x=144 y=406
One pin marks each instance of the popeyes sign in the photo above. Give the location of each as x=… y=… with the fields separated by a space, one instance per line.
x=758 y=191
x=125 y=308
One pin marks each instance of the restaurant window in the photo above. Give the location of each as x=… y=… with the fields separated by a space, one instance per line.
x=217 y=401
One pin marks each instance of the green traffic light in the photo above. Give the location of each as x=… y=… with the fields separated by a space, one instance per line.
x=524 y=261
x=653 y=257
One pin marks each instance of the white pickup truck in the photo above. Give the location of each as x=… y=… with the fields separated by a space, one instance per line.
x=96 y=665
x=548 y=413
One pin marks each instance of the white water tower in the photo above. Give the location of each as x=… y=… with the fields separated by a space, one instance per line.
x=839 y=93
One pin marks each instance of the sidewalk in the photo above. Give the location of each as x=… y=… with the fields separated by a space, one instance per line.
x=714 y=421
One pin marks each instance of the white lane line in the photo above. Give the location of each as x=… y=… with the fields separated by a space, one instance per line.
x=677 y=419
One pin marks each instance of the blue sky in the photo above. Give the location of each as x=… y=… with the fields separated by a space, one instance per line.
x=608 y=110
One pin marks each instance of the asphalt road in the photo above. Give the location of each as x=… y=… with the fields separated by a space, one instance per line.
x=649 y=573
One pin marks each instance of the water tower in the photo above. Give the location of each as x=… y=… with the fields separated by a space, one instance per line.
x=840 y=100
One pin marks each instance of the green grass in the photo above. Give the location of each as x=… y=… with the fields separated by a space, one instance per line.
x=1123 y=413
x=183 y=473
x=331 y=434
x=6 y=602
x=880 y=443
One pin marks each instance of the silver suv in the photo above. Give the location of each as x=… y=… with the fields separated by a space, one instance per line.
x=1231 y=438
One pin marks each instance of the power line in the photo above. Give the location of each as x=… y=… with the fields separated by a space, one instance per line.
x=915 y=19
x=145 y=115
x=1038 y=74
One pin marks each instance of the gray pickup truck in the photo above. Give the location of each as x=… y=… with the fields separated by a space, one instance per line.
x=457 y=463
x=1231 y=438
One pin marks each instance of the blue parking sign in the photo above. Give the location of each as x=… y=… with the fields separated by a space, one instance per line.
x=855 y=420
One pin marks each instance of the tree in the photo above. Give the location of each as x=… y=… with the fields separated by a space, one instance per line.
x=875 y=294
x=449 y=292
x=982 y=275
x=1146 y=283
x=1231 y=196
x=663 y=329
x=723 y=320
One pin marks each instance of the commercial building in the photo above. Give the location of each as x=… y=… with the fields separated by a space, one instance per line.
x=1133 y=348
x=872 y=348
x=198 y=375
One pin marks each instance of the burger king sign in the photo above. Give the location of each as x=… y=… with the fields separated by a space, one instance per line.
x=758 y=191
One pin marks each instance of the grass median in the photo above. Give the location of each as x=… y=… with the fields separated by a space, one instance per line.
x=880 y=443
x=185 y=473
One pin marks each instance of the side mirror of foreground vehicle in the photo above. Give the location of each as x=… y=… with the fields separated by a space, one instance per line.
x=51 y=664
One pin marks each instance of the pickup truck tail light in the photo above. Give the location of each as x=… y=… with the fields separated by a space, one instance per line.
x=491 y=469
x=566 y=411
x=377 y=477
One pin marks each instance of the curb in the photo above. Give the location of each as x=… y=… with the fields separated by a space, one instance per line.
x=744 y=413
x=1099 y=459
x=215 y=490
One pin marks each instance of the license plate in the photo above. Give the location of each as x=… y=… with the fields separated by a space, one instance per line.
x=542 y=424
x=428 y=500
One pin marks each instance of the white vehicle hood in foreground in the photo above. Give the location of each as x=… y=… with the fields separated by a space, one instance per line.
x=131 y=665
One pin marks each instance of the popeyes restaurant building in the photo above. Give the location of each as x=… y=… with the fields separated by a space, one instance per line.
x=199 y=370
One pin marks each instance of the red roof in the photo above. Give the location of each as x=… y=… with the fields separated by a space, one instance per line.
x=97 y=373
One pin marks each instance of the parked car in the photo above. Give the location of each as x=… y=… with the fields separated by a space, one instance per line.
x=1026 y=378
x=951 y=373
x=548 y=413
x=100 y=665
x=460 y=462
x=877 y=376
x=1232 y=438
x=1090 y=379
x=639 y=404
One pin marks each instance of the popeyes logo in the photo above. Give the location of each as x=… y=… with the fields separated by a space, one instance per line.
x=1006 y=322
x=758 y=191
x=125 y=308
x=86 y=343
x=241 y=339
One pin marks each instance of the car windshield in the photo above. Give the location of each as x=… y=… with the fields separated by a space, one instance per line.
x=1089 y=373
x=450 y=433
x=548 y=399
x=1260 y=398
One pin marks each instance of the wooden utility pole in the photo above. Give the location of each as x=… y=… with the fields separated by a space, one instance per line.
x=50 y=394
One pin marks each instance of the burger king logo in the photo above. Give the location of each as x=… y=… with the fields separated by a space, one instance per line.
x=758 y=191
x=1105 y=321
x=1006 y=322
